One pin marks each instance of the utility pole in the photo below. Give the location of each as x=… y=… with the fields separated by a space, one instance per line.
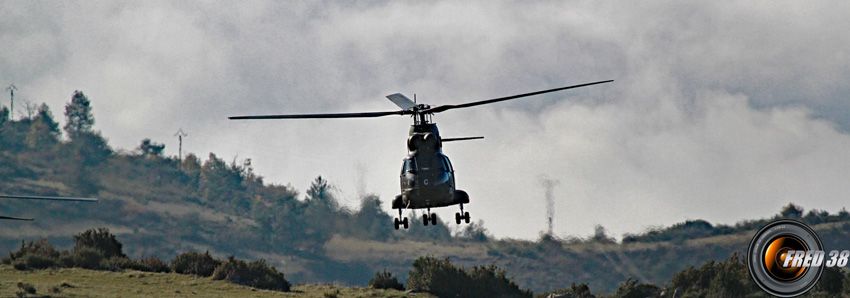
x=180 y=134
x=12 y=89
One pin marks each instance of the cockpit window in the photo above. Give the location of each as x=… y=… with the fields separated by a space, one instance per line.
x=447 y=164
x=409 y=166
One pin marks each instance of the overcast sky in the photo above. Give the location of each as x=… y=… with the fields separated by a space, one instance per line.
x=721 y=110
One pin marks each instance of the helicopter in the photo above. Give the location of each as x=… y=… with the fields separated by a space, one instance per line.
x=427 y=178
x=2 y=196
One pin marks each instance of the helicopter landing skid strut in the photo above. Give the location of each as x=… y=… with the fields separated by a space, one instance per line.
x=400 y=221
x=429 y=217
x=462 y=215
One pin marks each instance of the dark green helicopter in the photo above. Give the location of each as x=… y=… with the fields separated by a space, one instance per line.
x=41 y=198
x=427 y=176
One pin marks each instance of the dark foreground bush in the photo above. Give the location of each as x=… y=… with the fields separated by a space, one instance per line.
x=441 y=278
x=154 y=264
x=631 y=288
x=101 y=240
x=84 y=257
x=581 y=290
x=121 y=263
x=256 y=274
x=33 y=255
x=385 y=280
x=195 y=263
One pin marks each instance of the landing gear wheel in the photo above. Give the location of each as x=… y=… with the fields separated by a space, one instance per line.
x=433 y=219
x=457 y=217
x=466 y=217
x=400 y=221
x=425 y=219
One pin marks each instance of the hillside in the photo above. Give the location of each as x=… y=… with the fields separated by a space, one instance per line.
x=163 y=206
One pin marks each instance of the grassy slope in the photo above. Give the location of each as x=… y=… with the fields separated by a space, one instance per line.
x=90 y=283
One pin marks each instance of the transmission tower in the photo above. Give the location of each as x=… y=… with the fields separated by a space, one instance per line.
x=11 y=90
x=180 y=134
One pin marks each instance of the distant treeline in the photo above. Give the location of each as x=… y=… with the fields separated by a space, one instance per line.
x=693 y=229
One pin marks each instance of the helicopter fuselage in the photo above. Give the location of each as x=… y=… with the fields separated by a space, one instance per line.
x=427 y=177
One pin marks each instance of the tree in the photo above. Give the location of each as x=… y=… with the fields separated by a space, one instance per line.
x=4 y=115
x=320 y=194
x=39 y=136
x=44 y=131
x=221 y=185
x=791 y=211
x=371 y=222
x=632 y=289
x=474 y=231
x=44 y=115
x=149 y=148
x=101 y=240
x=78 y=114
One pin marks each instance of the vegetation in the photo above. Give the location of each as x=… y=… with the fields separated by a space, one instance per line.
x=161 y=205
x=256 y=274
x=77 y=282
x=385 y=280
x=194 y=263
x=440 y=277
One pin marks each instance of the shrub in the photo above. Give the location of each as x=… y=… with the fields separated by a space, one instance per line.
x=154 y=264
x=41 y=248
x=441 y=278
x=574 y=291
x=121 y=263
x=34 y=261
x=195 y=263
x=25 y=288
x=101 y=240
x=632 y=289
x=84 y=257
x=728 y=278
x=385 y=280
x=256 y=274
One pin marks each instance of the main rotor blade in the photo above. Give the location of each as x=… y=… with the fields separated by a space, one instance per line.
x=402 y=101
x=477 y=103
x=48 y=198
x=14 y=218
x=459 y=139
x=313 y=116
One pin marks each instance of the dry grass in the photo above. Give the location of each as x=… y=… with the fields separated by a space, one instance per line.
x=89 y=283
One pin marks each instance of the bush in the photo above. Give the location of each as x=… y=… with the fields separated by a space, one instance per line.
x=385 y=280
x=256 y=274
x=42 y=249
x=85 y=257
x=34 y=261
x=441 y=278
x=25 y=288
x=632 y=289
x=101 y=240
x=729 y=278
x=574 y=291
x=195 y=263
x=121 y=263
x=154 y=264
